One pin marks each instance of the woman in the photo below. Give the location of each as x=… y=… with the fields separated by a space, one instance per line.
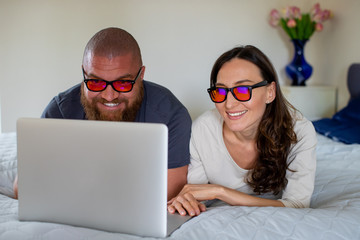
x=254 y=149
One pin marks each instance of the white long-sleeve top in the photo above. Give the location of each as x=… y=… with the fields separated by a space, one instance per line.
x=211 y=162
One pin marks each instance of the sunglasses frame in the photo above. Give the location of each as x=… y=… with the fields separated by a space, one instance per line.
x=110 y=82
x=250 y=88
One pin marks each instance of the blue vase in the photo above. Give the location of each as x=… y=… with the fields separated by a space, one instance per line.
x=299 y=70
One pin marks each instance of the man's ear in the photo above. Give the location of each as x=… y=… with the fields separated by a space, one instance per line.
x=142 y=72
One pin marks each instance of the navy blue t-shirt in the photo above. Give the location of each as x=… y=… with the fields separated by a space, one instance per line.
x=158 y=106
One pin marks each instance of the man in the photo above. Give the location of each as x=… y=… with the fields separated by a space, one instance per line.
x=113 y=89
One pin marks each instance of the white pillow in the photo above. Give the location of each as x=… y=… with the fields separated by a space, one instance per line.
x=8 y=163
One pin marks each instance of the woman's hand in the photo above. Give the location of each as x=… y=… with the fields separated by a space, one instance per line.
x=188 y=200
x=186 y=204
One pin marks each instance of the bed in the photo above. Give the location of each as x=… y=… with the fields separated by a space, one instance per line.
x=334 y=211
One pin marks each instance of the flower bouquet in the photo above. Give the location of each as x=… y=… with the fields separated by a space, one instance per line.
x=299 y=27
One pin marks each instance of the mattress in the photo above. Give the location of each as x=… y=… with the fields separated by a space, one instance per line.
x=334 y=212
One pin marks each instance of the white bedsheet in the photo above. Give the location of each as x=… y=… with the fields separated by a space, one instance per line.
x=334 y=212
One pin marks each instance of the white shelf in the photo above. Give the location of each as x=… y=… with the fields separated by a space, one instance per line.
x=313 y=102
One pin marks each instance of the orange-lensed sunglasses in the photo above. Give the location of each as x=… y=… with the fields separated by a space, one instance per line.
x=240 y=93
x=98 y=85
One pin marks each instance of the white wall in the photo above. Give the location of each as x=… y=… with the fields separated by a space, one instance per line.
x=41 y=44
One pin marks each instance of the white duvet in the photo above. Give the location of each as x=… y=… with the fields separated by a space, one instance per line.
x=334 y=212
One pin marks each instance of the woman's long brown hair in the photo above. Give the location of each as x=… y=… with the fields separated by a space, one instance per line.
x=276 y=130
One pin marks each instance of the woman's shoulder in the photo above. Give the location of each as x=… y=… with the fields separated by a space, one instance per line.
x=301 y=122
x=303 y=127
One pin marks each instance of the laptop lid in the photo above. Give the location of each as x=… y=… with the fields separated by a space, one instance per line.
x=110 y=176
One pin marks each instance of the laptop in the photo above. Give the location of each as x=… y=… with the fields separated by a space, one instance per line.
x=109 y=176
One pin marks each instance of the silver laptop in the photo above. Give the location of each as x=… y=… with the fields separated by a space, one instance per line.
x=109 y=176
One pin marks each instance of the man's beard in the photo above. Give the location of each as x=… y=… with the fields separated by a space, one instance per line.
x=92 y=112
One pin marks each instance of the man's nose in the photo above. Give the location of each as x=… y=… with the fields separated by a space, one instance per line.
x=109 y=93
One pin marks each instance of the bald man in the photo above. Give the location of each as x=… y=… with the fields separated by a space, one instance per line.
x=113 y=89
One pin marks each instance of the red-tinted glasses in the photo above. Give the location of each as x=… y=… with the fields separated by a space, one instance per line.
x=98 y=85
x=240 y=93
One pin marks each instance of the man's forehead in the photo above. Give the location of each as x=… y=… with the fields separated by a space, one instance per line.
x=98 y=60
x=91 y=56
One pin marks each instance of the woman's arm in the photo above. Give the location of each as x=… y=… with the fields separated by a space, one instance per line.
x=302 y=159
x=236 y=198
x=189 y=199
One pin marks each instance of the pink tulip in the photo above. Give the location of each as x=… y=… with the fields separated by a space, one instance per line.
x=295 y=12
x=315 y=9
x=317 y=17
x=319 y=27
x=274 y=18
x=326 y=15
x=291 y=23
x=286 y=12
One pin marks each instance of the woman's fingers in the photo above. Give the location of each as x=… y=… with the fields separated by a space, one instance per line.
x=178 y=204
x=193 y=205
x=171 y=209
x=202 y=207
x=186 y=204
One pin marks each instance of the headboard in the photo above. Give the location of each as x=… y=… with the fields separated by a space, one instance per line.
x=353 y=80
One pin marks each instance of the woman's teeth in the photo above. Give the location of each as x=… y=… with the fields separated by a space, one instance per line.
x=237 y=113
